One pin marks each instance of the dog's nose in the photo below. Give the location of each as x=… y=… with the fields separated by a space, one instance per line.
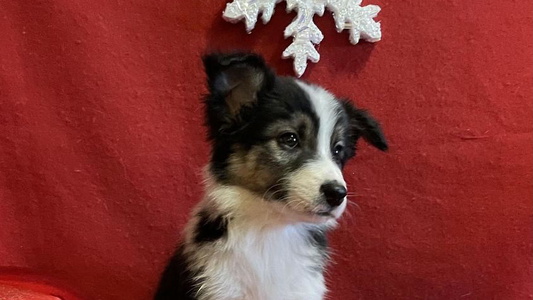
x=334 y=193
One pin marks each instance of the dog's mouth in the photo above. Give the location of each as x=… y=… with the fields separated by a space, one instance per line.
x=323 y=213
x=302 y=208
x=332 y=212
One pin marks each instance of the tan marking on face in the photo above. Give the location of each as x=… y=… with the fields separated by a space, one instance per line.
x=247 y=170
x=265 y=165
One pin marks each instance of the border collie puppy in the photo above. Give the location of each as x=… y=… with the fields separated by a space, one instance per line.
x=274 y=186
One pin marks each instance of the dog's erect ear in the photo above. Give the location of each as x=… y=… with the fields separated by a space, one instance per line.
x=234 y=82
x=362 y=124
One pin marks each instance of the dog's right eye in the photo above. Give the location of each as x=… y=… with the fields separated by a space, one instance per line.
x=288 y=140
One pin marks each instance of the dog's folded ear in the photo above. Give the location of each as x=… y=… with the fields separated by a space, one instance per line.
x=362 y=124
x=234 y=82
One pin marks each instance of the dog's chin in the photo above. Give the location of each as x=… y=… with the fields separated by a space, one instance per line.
x=326 y=217
x=297 y=216
x=319 y=218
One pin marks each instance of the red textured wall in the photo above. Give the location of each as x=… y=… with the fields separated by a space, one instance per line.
x=101 y=142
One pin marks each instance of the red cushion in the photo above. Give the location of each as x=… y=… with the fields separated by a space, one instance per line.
x=18 y=293
x=27 y=286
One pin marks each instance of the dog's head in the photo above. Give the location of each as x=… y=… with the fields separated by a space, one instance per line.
x=281 y=138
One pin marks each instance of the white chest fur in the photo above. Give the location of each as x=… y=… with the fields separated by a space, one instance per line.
x=262 y=264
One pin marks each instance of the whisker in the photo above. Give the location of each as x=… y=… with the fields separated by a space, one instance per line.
x=354 y=204
x=348 y=218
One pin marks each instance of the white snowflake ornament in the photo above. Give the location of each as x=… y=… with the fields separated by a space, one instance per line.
x=348 y=14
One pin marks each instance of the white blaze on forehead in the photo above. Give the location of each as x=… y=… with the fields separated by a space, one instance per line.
x=327 y=110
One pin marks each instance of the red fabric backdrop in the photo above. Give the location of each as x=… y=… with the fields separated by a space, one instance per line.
x=101 y=142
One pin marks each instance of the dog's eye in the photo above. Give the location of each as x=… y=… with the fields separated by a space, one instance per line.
x=288 y=140
x=338 y=149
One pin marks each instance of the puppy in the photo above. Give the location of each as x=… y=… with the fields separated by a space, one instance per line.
x=273 y=187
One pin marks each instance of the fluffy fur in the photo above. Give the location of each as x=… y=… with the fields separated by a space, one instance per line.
x=274 y=186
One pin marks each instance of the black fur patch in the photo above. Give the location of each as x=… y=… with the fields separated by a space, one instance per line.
x=209 y=228
x=319 y=239
x=177 y=280
x=362 y=124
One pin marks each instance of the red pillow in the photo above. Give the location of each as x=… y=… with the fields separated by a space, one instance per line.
x=10 y=292
x=31 y=287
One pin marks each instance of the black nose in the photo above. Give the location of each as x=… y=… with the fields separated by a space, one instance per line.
x=334 y=193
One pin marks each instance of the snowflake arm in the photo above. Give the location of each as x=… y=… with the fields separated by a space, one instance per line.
x=301 y=50
x=304 y=32
x=348 y=14
x=249 y=11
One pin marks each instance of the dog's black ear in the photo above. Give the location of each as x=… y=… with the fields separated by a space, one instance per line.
x=234 y=82
x=362 y=124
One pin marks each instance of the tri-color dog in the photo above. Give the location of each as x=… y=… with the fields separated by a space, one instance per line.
x=273 y=188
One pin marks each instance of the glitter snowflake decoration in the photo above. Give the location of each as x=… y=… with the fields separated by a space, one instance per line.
x=348 y=14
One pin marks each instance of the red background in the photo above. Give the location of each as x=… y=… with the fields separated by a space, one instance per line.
x=101 y=142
